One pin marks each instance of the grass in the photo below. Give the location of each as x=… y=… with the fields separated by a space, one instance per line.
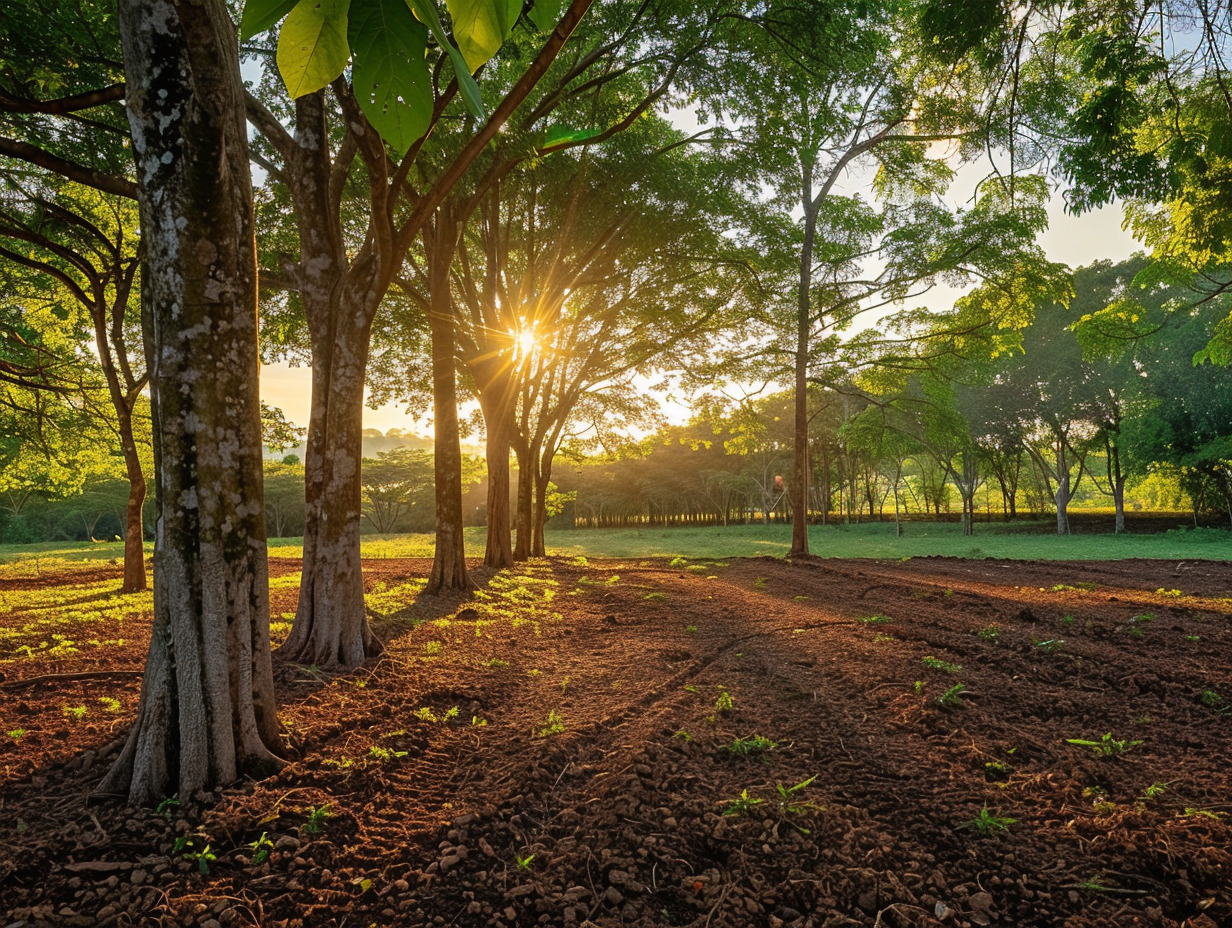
x=1017 y=541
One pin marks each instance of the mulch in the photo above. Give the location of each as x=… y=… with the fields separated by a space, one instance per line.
x=558 y=751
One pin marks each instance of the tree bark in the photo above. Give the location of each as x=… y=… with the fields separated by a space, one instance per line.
x=526 y=502
x=331 y=627
x=207 y=711
x=340 y=298
x=499 y=550
x=449 y=559
x=1062 y=494
x=798 y=491
x=134 y=528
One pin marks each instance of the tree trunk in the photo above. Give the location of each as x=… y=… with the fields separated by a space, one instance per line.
x=1062 y=494
x=331 y=627
x=134 y=535
x=526 y=503
x=449 y=559
x=798 y=491
x=542 y=479
x=1117 y=479
x=207 y=711
x=496 y=416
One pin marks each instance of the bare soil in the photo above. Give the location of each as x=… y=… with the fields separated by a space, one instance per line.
x=587 y=775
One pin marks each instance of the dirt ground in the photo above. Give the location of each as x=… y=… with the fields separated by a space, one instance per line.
x=753 y=742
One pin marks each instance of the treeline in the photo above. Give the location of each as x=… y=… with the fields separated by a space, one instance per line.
x=1103 y=402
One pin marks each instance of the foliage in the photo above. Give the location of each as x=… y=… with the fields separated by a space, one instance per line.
x=987 y=823
x=1107 y=746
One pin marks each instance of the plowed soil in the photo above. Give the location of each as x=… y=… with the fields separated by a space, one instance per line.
x=754 y=742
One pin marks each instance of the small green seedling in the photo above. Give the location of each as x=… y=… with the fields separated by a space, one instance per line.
x=261 y=849
x=760 y=583
x=678 y=562
x=989 y=632
x=1154 y=791
x=1212 y=699
x=1094 y=884
x=1171 y=594
x=1107 y=746
x=724 y=704
x=742 y=804
x=1049 y=645
x=918 y=686
x=316 y=819
x=478 y=721
x=1192 y=639
x=987 y=823
x=497 y=664
x=555 y=726
x=690 y=688
x=952 y=698
x=110 y=704
x=380 y=754
x=16 y=734
x=168 y=806
x=933 y=663
x=195 y=849
x=800 y=599
x=655 y=596
x=875 y=620
x=787 y=801
x=882 y=638
x=524 y=861
x=752 y=745
x=995 y=771
x=691 y=629
x=76 y=713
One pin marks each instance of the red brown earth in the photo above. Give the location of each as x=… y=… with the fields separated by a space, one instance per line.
x=596 y=792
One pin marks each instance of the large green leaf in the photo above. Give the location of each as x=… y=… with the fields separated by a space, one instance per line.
x=545 y=13
x=312 y=46
x=260 y=15
x=425 y=11
x=390 y=75
x=480 y=27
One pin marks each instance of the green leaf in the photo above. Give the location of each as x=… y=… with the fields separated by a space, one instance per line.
x=425 y=11
x=390 y=74
x=545 y=13
x=480 y=27
x=260 y=15
x=312 y=47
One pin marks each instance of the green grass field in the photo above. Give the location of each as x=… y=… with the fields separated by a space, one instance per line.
x=921 y=539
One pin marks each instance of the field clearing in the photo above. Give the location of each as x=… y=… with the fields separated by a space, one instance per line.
x=663 y=742
x=1015 y=541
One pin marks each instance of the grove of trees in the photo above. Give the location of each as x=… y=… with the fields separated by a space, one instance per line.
x=530 y=221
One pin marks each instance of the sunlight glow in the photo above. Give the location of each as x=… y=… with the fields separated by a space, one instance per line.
x=526 y=341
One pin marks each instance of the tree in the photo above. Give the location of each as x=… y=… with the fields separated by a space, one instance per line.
x=79 y=246
x=861 y=88
x=347 y=261
x=396 y=483
x=207 y=710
